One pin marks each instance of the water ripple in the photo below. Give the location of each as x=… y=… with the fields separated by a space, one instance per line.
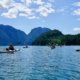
x=41 y=63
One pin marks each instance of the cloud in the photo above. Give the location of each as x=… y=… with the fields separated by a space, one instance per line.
x=26 y=8
x=27 y=2
x=76 y=12
x=5 y=3
x=76 y=4
x=29 y=17
x=39 y=2
x=44 y=10
x=76 y=9
x=12 y=13
x=33 y=17
x=76 y=29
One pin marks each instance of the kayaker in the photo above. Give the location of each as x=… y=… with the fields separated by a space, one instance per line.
x=10 y=47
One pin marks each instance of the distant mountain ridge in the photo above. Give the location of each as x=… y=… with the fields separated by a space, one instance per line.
x=56 y=37
x=37 y=36
x=36 y=32
x=8 y=34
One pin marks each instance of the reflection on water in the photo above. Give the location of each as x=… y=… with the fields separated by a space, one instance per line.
x=41 y=63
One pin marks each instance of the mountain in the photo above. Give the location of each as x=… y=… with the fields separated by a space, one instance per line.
x=8 y=35
x=57 y=37
x=48 y=37
x=36 y=32
x=37 y=36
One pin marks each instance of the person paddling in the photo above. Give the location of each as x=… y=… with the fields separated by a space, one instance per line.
x=10 y=47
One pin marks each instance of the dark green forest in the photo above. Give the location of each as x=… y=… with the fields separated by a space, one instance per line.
x=57 y=37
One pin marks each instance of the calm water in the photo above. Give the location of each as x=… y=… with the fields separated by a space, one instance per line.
x=41 y=63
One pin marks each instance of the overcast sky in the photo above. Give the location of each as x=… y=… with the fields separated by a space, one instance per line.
x=54 y=14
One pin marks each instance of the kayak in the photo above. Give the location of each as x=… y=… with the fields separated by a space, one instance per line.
x=25 y=47
x=9 y=51
x=78 y=50
x=52 y=47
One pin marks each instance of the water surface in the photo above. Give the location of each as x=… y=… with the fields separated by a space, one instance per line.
x=41 y=63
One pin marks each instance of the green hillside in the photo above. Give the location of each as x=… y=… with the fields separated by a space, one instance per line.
x=57 y=37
